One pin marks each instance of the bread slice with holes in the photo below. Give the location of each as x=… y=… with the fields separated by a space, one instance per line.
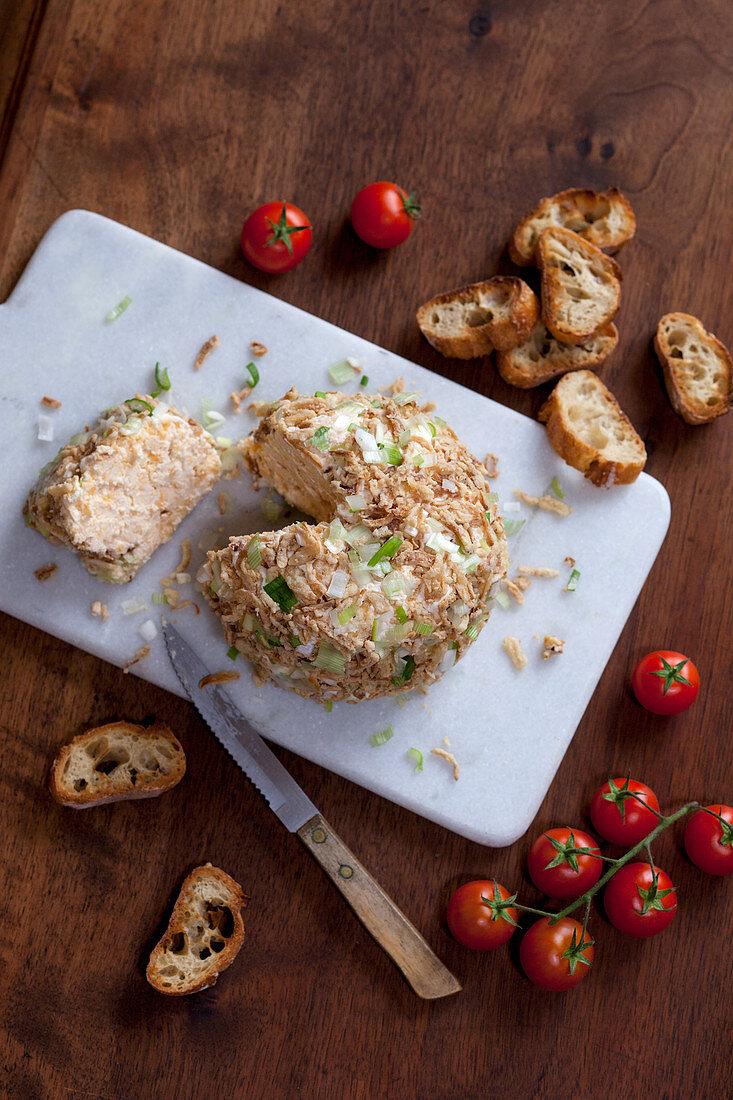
x=698 y=371
x=542 y=357
x=204 y=934
x=472 y=321
x=581 y=286
x=603 y=218
x=115 y=762
x=587 y=428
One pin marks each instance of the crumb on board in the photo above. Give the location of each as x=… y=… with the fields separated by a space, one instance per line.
x=428 y=407
x=446 y=742
x=537 y=571
x=258 y=348
x=45 y=571
x=514 y=648
x=101 y=610
x=569 y=561
x=550 y=504
x=140 y=655
x=522 y=583
x=180 y=570
x=451 y=760
x=491 y=462
x=238 y=396
x=172 y=596
x=515 y=589
x=218 y=678
x=223 y=502
x=50 y=402
x=552 y=645
x=206 y=350
x=188 y=603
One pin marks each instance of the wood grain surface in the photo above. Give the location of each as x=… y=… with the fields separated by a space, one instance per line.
x=177 y=119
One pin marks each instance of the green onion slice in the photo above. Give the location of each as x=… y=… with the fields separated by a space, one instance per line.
x=556 y=488
x=341 y=372
x=423 y=628
x=364 y=380
x=503 y=600
x=232 y=653
x=392 y=453
x=416 y=755
x=401 y=615
x=330 y=659
x=254 y=374
x=472 y=631
x=512 y=526
x=158 y=597
x=254 y=552
x=406 y=673
x=329 y=706
x=280 y=591
x=573 y=582
x=294 y=641
x=492 y=498
x=162 y=380
x=382 y=737
x=320 y=439
x=119 y=309
x=138 y=405
x=387 y=550
x=347 y=614
x=320 y=393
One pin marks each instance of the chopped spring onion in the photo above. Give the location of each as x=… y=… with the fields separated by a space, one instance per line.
x=503 y=600
x=357 y=533
x=440 y=422
x=387 y=550
x=329 y=659
x=393 y=586
x=132 y=426
x=147 y=630
x=471 y=631
x=45 y=429
x=356 y=503
x=374 y=458
x=556 y=488
x=416 y=755
x=159 y=597
x=364 y=380
x=470 y=563
x=254 y=552
x=280 y=591
x=573 y=582
x=406 y=673
x=294 y=641
x=492 y=498
x=423 y=628
x=119 y=309
x=320 y=438
x=133 y=605
x=250 y=623
x=320 y=393
x=162 y=380
x=382 y=737
x=254 y=374
x=329 y=706
x=337 y=587
x=336 y=531
x=347 y=614
x=342 y=372
x=80 y=437
x=512 y=526
x=404 y=398
x=405 y=437
x=392 y=453
x=271 y=509
x=139 y=406
x=401 y=614
x=232 y=653
x=418 y=460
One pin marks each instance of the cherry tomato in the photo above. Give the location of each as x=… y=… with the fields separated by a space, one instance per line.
x=383 y=215
x=622 y=811
x=480 y=915
x=564 y=863
x=665 y=682
x=276 y=237
x=556 y=956
x=709 y=841
x=639 y=902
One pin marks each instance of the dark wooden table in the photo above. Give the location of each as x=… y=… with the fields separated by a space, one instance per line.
x=177 y=120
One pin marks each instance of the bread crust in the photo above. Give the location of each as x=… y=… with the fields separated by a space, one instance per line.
x=593 y=460
x=594 y=272
x=510 y=307
x=519 y=368
x=586 y=212
x=196 y=922
x=79 y=777
x=698 y=400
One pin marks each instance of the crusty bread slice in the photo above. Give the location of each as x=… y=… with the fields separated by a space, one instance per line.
x=117 y=761
x=204 y=934
x=589 y=431
x=604 y=218
x=542 y=357
x=581 y=286
x=473 y=320
x=698 y=371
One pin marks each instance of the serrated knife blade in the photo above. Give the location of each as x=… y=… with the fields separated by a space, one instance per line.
x=375 y=909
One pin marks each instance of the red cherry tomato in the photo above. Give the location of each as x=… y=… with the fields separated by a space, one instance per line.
x=276 y=237
x=709 y=841
x=556 y=956
x=383 y=215
x=479 y=917
x=639 y=902
x=622 y=811
x=564 y=863
x=665 y=682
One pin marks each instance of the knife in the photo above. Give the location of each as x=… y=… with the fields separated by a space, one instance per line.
x=375 y=909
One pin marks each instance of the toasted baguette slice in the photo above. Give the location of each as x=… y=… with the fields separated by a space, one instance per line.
x=604 y=218
x=472 y=321
x=590 y=432
x=581 y=286
x=204 y=934
x=698 y=371
x=542 y=357
x=115 y=762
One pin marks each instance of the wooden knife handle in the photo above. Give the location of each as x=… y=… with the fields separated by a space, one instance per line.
x=377 y=912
